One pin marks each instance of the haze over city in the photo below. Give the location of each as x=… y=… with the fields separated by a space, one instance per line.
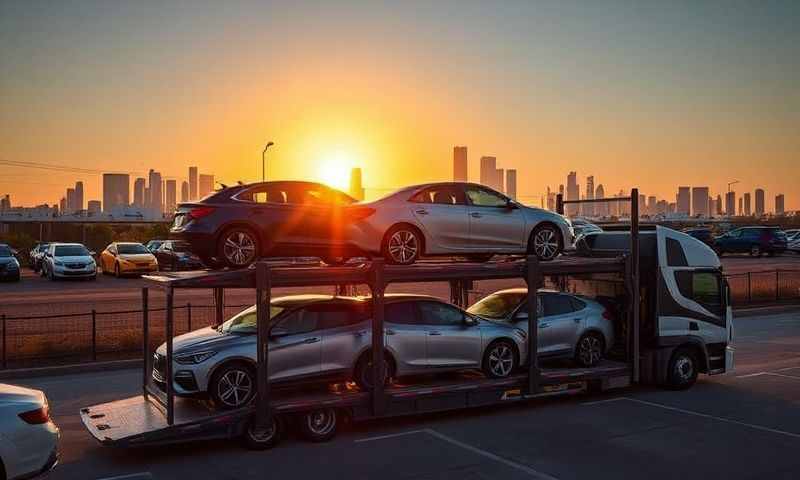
x=664 y=97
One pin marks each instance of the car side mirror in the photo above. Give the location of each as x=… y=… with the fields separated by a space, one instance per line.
x=469 y=321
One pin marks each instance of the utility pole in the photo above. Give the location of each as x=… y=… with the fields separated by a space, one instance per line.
x=263 y=162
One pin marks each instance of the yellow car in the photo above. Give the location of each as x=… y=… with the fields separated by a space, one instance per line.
x=121 y=258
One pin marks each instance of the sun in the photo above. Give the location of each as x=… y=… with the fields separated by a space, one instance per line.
x=334 y=169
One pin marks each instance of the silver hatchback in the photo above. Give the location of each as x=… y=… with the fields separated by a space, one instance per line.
x=570 y=326
x=323 y=338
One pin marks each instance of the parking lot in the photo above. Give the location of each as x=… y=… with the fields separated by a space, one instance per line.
x=741 y=425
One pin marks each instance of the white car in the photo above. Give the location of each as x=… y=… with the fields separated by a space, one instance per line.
x=68 y=260
x=28 y=436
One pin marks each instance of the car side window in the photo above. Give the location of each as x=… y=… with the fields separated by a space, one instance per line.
x=751 y=234
x=297 y=322
x=735 y=233
x=435 y=313
x=402 y=313
x=555 y=304
x=335 y=316
x=441 y=195
x=481 y=197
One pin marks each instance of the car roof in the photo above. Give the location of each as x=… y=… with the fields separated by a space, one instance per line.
x=59 y=244
x=127 y=243
x=525 y=290
x=293 y=301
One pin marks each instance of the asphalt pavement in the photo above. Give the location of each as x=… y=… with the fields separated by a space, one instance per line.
x=741 y=425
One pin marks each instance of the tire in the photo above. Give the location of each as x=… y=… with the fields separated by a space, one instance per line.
x=238 y=247
x=500 y=359
x=263 y=440
x=590 y=349
x=480 y=258
x=683 y=369
x=232 y=386
x=546 y=242
x=402 y=245
x=362 y=374
x=319 y=425
x=755 y=251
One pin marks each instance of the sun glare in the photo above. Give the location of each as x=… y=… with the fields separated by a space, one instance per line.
x=334 y=170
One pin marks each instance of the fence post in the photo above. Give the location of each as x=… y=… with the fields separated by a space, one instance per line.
x=94 y=335
x=5 y=356
x=749 y=289
x=777 y=285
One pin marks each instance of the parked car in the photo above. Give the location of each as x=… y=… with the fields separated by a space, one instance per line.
x=35 y=256
x=314 y=337
x=570 y=326
x=752 y=240
x=68 y=260
x=792 y=234
x=153 y=245
x=703 y=234
x=28 y=435
x=177 y=255
x=123 y=258
x=793 y=241
x=9 y=265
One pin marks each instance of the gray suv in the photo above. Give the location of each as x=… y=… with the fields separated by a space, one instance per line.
x=314 y=337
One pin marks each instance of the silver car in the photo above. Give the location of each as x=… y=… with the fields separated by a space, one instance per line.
x=570 y=326
x=452 y=218
x=325 y=338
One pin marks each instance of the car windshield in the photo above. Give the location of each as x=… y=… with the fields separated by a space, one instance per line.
x=71 y=251
x=5 y=251
x=246 y=321
x=498 y=305
x=131 y=248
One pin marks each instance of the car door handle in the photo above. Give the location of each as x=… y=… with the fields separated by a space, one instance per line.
x=434 y=333
x=475 y=215
x=312 y=340
x=421 y=211
x=390 y=332
x=544 y=325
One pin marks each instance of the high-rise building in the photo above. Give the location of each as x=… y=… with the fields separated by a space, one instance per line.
x=499 y=180
x=193 y=184
x=205 y=185
x=642 y=204
x=741 y=206
x=700 y=202
x=551 y=200
x=356 y=188
x=139 y=187
x=747 y=210
x=600 y=209
x=573 y=193
x=759 y=202
x=155 y=200
x=116 y=191
x=62 y=205
x=5 y=202
x=712 y=207
x=718 y=205
x=460 y=164
x=488 y=171
x=652 y=205
x=683 y=201
x=730 y=204
x=71 y=200
x=171 y=196
x=511 y=183
x=588 y=208
x=78 y=196
x=779 y=206
x=93 y=207
x=185 y=192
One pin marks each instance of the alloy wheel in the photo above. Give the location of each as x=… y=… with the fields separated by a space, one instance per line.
x=321 y=422
x=234 y=388
x=403 y=246
x=239 y=248
x=545 y=243
x=501 y=360
x=590 y=350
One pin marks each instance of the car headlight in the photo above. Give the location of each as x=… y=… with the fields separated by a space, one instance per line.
x=194 y=358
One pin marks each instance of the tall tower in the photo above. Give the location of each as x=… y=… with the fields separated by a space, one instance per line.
x=356 y=189
x=511 y=183
x=139 y=187
x=588 y=208
x=116 y=191
x=759 y=202
x=601 y=209
x=730 y=204
x=683 y=201
x=573 y=193
x=779 y=206
x=78 y=196
x=700 y=203
x=171 y=196
x=460 y=164
x=155 y=202
x=205 y=185
x=488 y=171
x=193 y=184
x=185 y=192
x=747 y=210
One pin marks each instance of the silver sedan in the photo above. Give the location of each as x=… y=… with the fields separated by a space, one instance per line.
x=453 y=218
x=324 y=338
x=570 y=326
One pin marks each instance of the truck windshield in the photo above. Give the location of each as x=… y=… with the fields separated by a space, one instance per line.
x=498 y=306
x=246 y=321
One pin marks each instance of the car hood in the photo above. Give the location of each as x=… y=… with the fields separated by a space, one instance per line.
x=6 y=260
x=137 y=257
x=207 y=338
x=15 y=395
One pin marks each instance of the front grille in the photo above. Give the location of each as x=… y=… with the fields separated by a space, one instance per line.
x=76 y=265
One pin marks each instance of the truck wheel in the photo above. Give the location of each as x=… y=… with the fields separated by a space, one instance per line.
x=319 y=425
x=589 y=350
x=683 y=369
x=256 y=438
x=500 y=359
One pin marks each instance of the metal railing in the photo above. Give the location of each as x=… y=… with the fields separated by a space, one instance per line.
x=764 y=287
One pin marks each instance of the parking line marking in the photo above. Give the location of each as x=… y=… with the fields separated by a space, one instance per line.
x=773 y=374
x=509 y=463
x=132 y=476
x=391 y=435
x=608 y=400
x=787 y=368
x=751 y=375
x=713 y=417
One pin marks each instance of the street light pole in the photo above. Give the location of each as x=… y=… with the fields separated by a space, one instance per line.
x=263 y=162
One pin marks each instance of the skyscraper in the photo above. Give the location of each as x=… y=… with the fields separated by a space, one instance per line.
x=116 y=191
x=700 y=204
x=193 y=183
x=741 y=206
x=185 y=192
x=460 y=164
x=70 y=200
x=356 y=189
x=759 y=202
x=779 y=208
x=78 y=196
x=5 y=202
x=573 y=193
x=205 y=185
x=730 y=204
x=747 y=210
x=652 y=205
x=488 y=171
x=499 y=180
x=683 y=201
x=139 y=187
x=93 y=207
x=600 y=209
x=171 y=196
x=718 y=205
x=62 y=206
x=155 y=201
x=511 y=183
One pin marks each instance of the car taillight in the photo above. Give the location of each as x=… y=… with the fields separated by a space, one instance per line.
x=36 y=417
x=359 y=213
x=607 y=315
x=200 y=212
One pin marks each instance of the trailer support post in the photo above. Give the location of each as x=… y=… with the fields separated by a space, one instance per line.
x=145 y=342
x=560 y=204
x=635 y=301
x=168 y=367
x=533 y=280
x=263 y=302
x=378 y=286
x=219 y=306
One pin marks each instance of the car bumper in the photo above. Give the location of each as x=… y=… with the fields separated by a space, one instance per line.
x=187 y=380
x=61 y=272
x=203 y=243
x=39 y=454
x=136 y=269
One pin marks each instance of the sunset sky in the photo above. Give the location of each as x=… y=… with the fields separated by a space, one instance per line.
x=689 y=93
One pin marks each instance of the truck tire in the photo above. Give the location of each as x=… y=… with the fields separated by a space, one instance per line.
x=319 y=425
x=682 y=369
x=263 y=439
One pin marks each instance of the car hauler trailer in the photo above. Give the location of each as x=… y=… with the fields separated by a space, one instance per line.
x=157 y=417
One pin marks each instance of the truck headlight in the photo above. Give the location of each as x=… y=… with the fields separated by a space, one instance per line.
x=194 y=358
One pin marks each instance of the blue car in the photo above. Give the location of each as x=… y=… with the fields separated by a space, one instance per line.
x=753 y=240
x=9 y=265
